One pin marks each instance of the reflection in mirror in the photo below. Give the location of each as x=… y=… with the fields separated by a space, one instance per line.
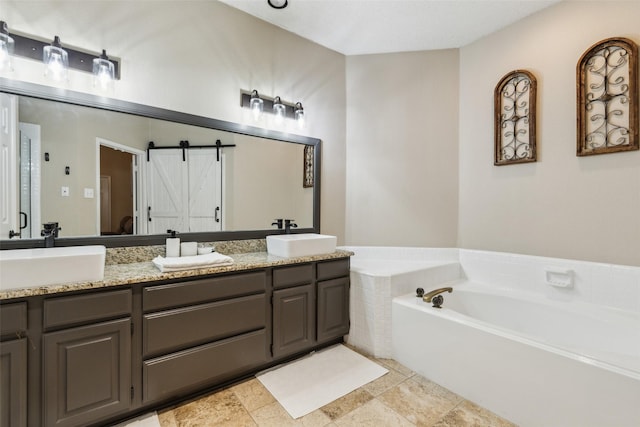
x=95 y=172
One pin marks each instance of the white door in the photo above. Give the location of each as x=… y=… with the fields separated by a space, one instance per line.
x=8 y=165
x=167 y=196
x=29 y=180
x=205 y=190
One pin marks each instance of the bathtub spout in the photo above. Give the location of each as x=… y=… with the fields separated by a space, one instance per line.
x=430 y=295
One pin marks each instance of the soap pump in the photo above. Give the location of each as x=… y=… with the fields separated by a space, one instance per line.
x=172 y=245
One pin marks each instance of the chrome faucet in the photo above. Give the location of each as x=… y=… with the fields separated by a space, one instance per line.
x=435 y=297
x=50 y=232
x=288 y=224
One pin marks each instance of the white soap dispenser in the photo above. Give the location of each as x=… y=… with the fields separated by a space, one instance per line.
x=172 y=245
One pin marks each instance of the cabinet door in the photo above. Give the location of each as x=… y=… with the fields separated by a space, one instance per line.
x=333 y=308
x=13 y=383
x=293 y=320
x=87 y=373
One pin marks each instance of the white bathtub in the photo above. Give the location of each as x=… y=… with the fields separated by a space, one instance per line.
x=534 y=360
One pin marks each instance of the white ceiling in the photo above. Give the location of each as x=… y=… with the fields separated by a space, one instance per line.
x=356 y=27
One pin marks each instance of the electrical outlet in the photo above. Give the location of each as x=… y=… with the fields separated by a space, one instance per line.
x=64 y=191
x=88 y=193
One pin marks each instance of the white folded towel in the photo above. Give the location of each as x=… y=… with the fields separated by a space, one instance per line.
x=213 y=259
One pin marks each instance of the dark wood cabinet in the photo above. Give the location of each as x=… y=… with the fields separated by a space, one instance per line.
x=13 y=383
x=333 y=299
x=293 y=320
x=310 y=305
x=13 y=365
x=333 y=309
x=86 y=364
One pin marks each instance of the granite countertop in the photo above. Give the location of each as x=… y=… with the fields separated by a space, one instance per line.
x=140 y=272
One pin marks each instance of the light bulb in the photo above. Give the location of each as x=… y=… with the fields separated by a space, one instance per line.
x=56 y=61
x=280 y=110
x=103 y=72
x=6 y=47
x=256 y=105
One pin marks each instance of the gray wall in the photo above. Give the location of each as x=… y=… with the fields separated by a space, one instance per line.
x=565 y=206
x=402 y=151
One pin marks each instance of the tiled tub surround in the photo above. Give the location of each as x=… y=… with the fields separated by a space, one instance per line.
x=378 y=274
x=590 y=379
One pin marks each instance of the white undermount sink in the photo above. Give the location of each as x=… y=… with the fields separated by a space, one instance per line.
x=28 y=268
x=297 y=245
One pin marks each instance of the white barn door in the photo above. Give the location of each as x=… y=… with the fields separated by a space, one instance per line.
x=167 y=196
x=205 y=190
x=185 y=196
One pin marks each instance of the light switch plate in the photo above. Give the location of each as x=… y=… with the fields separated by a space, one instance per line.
x=64 y=191
x=88 y=193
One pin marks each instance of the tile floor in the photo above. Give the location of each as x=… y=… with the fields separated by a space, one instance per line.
x=399 y=398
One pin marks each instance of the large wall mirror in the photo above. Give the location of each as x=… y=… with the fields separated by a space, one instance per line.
x=122 y=174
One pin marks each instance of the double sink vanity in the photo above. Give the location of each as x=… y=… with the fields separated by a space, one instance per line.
x=98 y=351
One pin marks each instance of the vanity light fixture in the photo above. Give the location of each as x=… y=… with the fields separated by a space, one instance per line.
x=279 y=110
x=104 y=72
x=256 y=105
x=7 y=46
x=278 y=4
x=57 y=60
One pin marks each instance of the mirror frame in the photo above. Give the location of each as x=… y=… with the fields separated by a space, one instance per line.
x=110 y=104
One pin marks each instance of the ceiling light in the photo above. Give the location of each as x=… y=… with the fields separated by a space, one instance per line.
x=56 y=60
x=278 y=4
x=6 y=47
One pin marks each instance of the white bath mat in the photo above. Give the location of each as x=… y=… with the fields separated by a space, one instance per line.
x=147 y=420
x=307 y=384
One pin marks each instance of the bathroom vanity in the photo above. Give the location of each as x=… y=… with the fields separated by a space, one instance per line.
x=100 y=353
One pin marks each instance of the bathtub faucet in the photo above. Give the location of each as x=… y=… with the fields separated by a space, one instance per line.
x=435 y=297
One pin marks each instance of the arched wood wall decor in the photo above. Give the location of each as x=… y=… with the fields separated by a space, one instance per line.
x=515 y=119
x=607 y=86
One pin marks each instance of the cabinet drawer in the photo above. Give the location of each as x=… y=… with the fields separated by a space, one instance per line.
x=173 y=330
x=333 y=269
x=178 y=373
x=13 y=318
x=89 y=307
x=203 y=290
x=291 y=276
